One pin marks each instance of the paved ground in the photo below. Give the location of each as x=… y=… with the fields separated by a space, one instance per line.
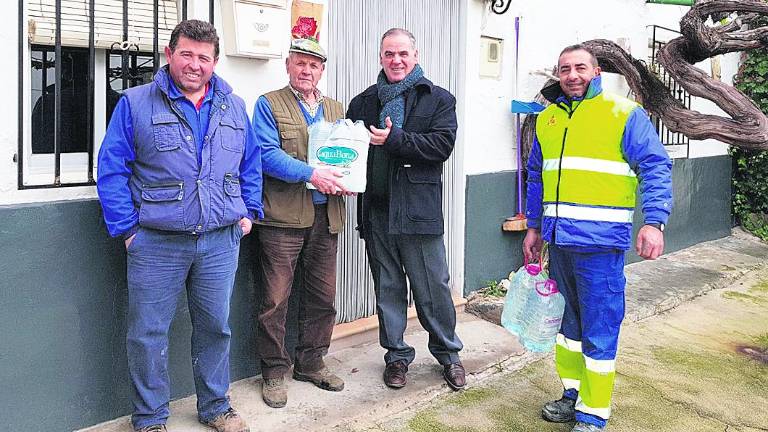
x=701 y=367
x=688 y=369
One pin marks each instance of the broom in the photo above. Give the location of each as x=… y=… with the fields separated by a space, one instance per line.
x=519 y=222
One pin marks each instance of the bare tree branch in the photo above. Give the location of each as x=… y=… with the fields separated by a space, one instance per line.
x=747 y=126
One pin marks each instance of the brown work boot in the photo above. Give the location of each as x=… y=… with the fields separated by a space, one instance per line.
x=394 y=374
x=455 y=376
x=323 y=378
x=153 y=428
x=228 y=421
x=274 y=392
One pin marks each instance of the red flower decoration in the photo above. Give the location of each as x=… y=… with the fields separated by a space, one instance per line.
x=305 y=28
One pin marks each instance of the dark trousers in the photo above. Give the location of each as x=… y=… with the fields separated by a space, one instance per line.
x=422 y=259
x=281 y=250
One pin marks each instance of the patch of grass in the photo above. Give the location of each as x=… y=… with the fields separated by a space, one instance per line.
x=761 y=342
x=735 y=295
x=426 y=421
x=760 y=287
x=494 y=289
x=640 y=405
x=472 y=396
x=719 y=370
x=515 y=418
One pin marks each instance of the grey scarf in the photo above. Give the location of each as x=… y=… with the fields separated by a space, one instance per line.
x=392 y=96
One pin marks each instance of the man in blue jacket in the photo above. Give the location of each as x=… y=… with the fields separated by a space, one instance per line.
x=591 y=150
x=180 y=182
x=413 y=131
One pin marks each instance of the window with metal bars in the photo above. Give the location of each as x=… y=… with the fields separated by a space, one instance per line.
x=126 y=69
x=58 y=106
x=73 y=138
x=678 y=144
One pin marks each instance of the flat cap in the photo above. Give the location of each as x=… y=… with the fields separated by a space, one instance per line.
x=309 y=47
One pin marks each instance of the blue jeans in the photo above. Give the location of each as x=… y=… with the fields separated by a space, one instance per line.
x=160 y=266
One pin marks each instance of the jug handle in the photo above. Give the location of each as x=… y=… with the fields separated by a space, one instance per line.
x=534 y=269
x=550 y=285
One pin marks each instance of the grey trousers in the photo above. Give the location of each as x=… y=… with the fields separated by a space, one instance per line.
x=422 y=259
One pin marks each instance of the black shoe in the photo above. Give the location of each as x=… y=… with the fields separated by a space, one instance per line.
x=559 y=411
x=394 y=374
x=455 y=376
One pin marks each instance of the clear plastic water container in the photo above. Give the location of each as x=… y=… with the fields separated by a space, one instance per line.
x=522 y=283
x=542 y=317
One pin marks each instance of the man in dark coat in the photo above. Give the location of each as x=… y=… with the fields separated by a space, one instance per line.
x=413 y=131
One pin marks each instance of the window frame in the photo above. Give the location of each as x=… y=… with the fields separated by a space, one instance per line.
x=59 y=169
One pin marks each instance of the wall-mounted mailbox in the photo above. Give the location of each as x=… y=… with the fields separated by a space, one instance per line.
x=255 y=29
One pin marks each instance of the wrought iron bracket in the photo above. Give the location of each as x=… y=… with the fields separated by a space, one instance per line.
x=500 y=7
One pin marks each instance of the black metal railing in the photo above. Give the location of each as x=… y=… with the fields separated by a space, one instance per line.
x=64 y=113
x=668 y=137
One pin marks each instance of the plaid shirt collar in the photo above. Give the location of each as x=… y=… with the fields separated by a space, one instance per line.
x=310 y=107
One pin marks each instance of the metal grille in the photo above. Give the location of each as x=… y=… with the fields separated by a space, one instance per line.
x=668 y=137
x=58 y=126
x=353 y=63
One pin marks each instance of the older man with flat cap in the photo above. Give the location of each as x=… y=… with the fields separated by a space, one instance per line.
x=300 y=226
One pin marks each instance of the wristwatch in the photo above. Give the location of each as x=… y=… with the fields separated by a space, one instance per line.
x=658 y=226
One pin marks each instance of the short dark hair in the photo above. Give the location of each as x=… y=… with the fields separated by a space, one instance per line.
x=199 y=31
x=396 y=31
x=579 y=47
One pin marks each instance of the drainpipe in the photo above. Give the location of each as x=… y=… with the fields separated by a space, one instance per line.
x=673 y=2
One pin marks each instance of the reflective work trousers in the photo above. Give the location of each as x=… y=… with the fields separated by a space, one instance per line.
x=585 y=355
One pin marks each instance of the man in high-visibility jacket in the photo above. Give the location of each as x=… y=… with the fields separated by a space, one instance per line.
x=590 y=151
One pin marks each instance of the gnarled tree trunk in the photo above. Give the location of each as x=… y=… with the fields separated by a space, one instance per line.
x=747 y=126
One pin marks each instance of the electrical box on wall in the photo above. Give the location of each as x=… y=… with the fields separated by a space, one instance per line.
x=490 y=57
x=256 y=29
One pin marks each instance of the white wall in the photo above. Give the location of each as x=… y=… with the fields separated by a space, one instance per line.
x=487 y=126
x=545 y=28
x=249 y=77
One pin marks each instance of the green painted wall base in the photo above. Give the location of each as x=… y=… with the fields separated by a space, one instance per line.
x=63 y=313
x=489 y=252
